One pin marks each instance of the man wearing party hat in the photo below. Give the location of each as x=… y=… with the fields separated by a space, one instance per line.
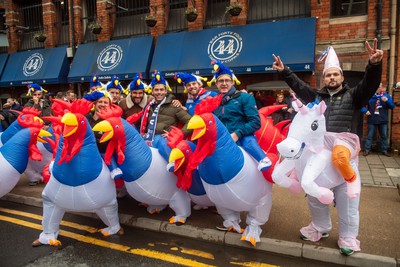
x=194 y=87
x=114 y=88
x=159 y=115
x=37 y=101
x=238 y=112
x=343 y=105
x=95 y=84
x=136 y=100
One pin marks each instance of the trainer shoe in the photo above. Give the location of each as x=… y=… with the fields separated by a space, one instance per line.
x=303 y=237
x=264 y=164
x=221 y=227
x=170 y=166
x=346 y=251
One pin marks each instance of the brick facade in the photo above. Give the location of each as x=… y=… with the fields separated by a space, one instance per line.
x=346 y=34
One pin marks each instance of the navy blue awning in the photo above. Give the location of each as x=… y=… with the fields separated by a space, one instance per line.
x=124 y=58
x=245 y=49
x=42 y=66
x=3 y=62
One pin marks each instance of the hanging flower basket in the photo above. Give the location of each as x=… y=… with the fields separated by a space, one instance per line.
x=95 y=28
x=151 y=21
x=191 y=14
x=40 y=37
x=234 y=9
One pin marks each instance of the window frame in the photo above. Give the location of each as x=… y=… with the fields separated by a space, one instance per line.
x=350 y=4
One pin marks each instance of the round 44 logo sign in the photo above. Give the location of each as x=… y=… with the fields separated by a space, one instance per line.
x=109 y=57
x=225 y=47
x=33 y=64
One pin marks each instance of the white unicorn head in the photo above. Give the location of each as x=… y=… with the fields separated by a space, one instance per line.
x=307 y=129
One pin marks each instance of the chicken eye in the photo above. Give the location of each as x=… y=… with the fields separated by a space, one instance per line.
x=314 y=125
x=82 y=122
x=117 y=127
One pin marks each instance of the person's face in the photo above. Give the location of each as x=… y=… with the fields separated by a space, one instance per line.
x=333 y=78
x=10 y=101
x=95 y=88
x=193 y=88
x=159 y=92
x=224 y=83
x=71 y=97
x=137 y=96
x=102 y=104
x=37 y=95
x=115 y=93
x=279 y=98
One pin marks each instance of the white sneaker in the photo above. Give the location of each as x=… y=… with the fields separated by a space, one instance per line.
x=264 y=164
x=170 y=166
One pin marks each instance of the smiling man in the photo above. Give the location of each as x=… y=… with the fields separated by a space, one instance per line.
x=136 y=100
x=194 y=87
x=343 y=106
x=159 y=115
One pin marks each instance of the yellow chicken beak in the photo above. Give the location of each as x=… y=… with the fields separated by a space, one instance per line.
x=178 y=157
x=106 y=128
x=198 y=126
x=70 y=124
x=41 y=134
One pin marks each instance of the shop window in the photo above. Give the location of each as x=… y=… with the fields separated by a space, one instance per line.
x=215 y=16
x=176 y=17
x=130 y=18
x=346 y=8
x=270 y=10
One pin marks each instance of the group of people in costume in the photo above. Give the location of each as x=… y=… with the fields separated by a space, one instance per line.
x=206 y=152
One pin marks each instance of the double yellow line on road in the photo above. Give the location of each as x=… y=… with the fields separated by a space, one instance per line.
x=98 y=242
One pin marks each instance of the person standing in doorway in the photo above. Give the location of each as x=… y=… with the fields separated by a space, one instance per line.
x=377 y=112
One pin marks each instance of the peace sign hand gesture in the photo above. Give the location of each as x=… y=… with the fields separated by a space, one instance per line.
x=278 y=64
x=375 y=55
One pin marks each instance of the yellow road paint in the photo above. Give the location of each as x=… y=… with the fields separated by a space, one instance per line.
x=90 y=240
x=253 y=264
x=89 y=229
x=198 y=253
x=140 y=252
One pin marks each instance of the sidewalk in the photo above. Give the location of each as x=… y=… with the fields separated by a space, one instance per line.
x=379 y=219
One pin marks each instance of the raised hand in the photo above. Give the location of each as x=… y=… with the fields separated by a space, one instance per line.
x=277 y=65
x=375 y=55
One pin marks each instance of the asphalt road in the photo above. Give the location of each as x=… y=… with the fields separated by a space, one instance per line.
x=82 y=246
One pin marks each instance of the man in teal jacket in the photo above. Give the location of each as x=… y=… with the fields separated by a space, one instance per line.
x=238 y=112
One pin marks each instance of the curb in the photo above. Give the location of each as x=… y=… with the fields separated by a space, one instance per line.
x=282 y=247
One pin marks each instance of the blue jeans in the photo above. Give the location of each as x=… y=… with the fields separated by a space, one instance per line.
x=249 y=143
x=382 y=128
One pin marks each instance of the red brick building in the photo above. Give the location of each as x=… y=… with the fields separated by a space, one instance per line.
x=345 y=24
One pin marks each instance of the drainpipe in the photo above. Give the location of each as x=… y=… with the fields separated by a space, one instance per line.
x=71 y=14
x=392 y=58
x=379 y=23
x=72 y=19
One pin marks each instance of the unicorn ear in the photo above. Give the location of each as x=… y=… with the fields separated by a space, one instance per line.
x=297 y=104
x=321 y=107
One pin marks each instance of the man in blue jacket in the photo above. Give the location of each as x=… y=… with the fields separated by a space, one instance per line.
x=377 y=112
x=238 y=112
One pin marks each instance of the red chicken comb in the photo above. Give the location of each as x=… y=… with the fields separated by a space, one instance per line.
x=135 y=117
x=81 y=106
x=31 y=111
x=174 y=137
x=29 y=121
x=208 y=105
x=110 y=112
x=53 y=119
